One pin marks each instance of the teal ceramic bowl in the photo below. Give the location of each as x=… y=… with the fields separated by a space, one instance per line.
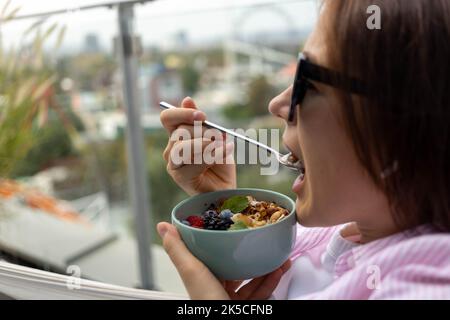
x=238 y=254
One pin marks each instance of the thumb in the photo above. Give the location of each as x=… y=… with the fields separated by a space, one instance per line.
x=183 y=260
x=193 y=272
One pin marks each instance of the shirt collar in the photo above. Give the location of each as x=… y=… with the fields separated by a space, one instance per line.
x=357 y=254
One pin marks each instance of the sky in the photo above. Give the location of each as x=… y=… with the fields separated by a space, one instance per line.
x=157 y=22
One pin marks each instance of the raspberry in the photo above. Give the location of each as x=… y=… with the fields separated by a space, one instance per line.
x=195 y=221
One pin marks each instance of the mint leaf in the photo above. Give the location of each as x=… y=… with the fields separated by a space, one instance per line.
x=236 y=204
x=239 y=225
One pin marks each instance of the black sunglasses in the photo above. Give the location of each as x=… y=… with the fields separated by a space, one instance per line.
x=310 y=71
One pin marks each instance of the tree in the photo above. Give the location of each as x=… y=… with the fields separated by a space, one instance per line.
x=25 y=81
x=51 y=142
x=260 y=92
x=190 y=78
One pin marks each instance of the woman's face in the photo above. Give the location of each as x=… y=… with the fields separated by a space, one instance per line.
x=336 y=189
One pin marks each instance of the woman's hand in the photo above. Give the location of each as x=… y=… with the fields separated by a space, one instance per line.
x=202 y=284
x=196 y=178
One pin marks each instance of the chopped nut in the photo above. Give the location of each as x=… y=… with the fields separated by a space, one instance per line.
x=263 y=213
x=275 y=216
x=260 y=223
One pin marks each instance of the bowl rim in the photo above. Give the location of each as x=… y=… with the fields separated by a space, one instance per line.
x=178 y=222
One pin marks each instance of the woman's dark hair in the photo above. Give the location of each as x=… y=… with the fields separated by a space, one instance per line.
x=402 y=127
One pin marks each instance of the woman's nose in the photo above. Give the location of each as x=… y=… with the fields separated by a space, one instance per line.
x=279 y=106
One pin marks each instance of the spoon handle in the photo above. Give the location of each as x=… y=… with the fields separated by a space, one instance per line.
x=166 y=105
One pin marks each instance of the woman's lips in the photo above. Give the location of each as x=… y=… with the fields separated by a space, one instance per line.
x=298 y=183
x=294 y=159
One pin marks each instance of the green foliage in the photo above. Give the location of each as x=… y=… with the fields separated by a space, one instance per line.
x=239 y=225
x=14 y=132
x=236 y=204
x=107 y=163
x=164 y=192
x=93 y=71
x=236 y=111
x=25 y=86
x=50 y=142
x=260 y=92
x=190 y=77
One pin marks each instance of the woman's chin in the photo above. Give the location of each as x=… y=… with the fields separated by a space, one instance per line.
x=307 y=216
x=303 y=212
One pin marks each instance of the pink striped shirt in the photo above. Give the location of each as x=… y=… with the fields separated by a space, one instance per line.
x=414 y=264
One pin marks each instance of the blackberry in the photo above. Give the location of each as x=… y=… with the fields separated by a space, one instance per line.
x=210 y=219
x=224 y=223
x=209 y=213
x=213 y=221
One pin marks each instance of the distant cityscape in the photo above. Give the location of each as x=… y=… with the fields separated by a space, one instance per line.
x=223 y=83
x=92 y=42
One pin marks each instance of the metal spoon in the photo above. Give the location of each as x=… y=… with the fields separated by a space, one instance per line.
x=287 y=160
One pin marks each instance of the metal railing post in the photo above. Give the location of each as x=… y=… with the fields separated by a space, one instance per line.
x=137 y=173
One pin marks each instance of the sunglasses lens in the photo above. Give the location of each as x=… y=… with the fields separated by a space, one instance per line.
x=293 y=105
x=298 y=93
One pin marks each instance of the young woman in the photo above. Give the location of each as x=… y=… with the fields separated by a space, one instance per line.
x=369 y=115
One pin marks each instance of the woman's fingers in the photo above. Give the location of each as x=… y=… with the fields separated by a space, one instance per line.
x=203 y=153
x=189 y=163
x=188 y=102
x=245 y=292
x=286 y=266
x=262 y=287
x=186 y=264
x=171 y=119
x=231 y=286
x=198 y=280
x=188 y=132
x=267 y=286
x=183 y=132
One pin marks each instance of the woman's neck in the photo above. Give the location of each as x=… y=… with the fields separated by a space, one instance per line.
x=368 y=233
